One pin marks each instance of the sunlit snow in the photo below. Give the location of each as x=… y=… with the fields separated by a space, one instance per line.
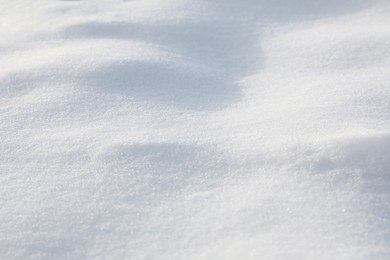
x=195 y=129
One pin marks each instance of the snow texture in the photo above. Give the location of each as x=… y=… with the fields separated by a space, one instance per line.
x=195 y=129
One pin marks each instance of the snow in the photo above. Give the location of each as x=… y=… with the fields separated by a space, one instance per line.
x=194 y=129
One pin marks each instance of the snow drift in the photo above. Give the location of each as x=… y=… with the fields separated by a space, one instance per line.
x=185 y=129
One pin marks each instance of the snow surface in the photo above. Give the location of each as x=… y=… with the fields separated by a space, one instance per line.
x=194 y=129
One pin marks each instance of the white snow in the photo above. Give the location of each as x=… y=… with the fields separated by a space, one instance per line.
x=194 y=129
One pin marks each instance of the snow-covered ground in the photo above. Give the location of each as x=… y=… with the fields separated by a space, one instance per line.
x=195 y=129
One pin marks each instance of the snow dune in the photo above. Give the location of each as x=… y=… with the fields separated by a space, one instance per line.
x=194 y=129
